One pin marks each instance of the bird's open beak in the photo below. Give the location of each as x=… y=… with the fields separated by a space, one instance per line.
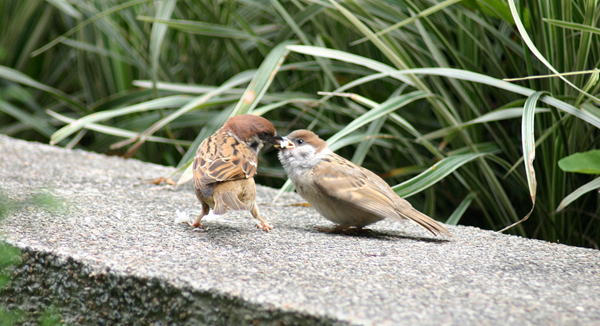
x=284 y=143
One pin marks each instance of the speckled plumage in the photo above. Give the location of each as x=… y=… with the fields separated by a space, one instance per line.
x=226 y=163
x=341 y=191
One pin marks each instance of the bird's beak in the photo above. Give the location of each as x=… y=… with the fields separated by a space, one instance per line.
x=284 y=143
x=276 y=140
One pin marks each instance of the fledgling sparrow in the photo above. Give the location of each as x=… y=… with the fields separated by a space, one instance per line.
x=225 y=166
x=341 y=191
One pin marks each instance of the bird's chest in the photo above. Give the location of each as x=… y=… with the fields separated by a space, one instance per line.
x=305 y=184
x=326 y=205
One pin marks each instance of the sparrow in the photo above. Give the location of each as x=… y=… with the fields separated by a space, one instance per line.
x=225 y=165
x=341 y=191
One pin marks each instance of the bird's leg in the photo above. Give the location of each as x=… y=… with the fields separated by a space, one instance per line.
x=264 y=225
x=197 y=223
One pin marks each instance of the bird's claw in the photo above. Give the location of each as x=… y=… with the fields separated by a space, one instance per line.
x=264 y=226
x=197 y=225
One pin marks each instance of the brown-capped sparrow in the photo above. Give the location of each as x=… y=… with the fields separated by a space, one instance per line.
x=341 y=191
x=226 y=163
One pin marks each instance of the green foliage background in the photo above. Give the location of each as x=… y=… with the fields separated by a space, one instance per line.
x=175 y=70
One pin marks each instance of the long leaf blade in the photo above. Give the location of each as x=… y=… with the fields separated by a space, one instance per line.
x=592 y=185
x=434 y=174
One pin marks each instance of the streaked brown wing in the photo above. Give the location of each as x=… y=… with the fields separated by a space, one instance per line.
x=343 y=180
x=222 y=158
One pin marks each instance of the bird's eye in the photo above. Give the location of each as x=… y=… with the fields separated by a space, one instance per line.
x=300 y=141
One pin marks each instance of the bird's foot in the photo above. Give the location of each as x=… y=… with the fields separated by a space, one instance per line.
x=264 y=226
x=197 y=224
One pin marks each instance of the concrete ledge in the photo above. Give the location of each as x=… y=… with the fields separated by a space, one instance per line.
x=110 y=253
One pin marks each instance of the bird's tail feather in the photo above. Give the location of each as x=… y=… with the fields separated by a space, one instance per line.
x=425 y=221
x=228 y=201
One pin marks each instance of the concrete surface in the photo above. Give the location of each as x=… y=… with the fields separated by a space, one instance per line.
x=110 y=252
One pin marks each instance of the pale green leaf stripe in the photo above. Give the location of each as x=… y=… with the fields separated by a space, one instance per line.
x=364 y=147
x=66 y=7
x=184 y=88
x=203 y=28
x=171 y=101
x=85 y=23
x=450 y=73
x=392 y=55
x=351 y=58
x=291 y=23
x=382 y=109
x=571 y=25
x=497 y=115
x=483 y=79
x=592 y=185
x=358 y=138
x=434 y=174
x=270 y=107
x=262 y=79
x=101 y=51
x=536 y=52
x=26 y=118
x=19 y=77
x=393 y=116
x=117 y=131
x=528 y=141
x=158 y=34
x=431 y=10
x=352 y=84
x=461 y=209
x=409 y=127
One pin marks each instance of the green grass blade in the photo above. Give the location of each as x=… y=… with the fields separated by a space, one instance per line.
x=382 y=109
x=592 y=185
x=67 y=8
x=528 y=145
x=270 y=107
x=39 y=125
x=19 y=77
x=537 y=53
x=447 y=72
x=571 y=25
x=171 y=101
x=157 y=36
x=528 y=141
x=192 y=105
x=262 y=79
x=85 y=23
x=185 y=88
x=483 y=79
x=461 y=209
x=350 y=58
x=431 y=10
x=101 y=51
x=434 y=174
x=118 y=132
x=358 y=138
x=204 y=28
x=496 y=115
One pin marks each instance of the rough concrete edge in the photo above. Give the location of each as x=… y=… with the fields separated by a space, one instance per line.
x=83 y=294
